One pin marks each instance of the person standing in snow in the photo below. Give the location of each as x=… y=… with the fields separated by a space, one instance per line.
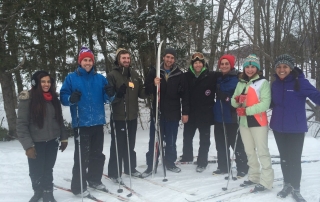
x=225 y=118
x=201 y=87
x=173 y=96
x=252 y=98
x=86 y=92
x=288 y=121
x=129 y=88
x=40 y=128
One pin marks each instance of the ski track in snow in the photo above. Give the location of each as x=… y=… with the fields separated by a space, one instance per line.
x=15 y=185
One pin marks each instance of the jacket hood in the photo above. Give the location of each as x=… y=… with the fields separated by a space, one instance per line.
x=191 y=69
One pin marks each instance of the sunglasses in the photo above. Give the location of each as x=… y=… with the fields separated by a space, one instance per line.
x=197 y=55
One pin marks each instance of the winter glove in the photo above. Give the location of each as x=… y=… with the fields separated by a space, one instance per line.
x=240 y=98
x=63 y=146
x=121 y=91
x=109 y=89
x=222 y=96
x=241 y=111
x=75 y=97
x=31 y=153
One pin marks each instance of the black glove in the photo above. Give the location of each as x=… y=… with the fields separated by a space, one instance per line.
x=122 y=91
x=222 y=96
x=109 y=89
x=75 y=97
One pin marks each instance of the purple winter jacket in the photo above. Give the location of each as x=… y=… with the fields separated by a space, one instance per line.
x=289 y=113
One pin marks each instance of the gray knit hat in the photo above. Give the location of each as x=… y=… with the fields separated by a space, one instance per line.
x=284 y=59
x=171 y=51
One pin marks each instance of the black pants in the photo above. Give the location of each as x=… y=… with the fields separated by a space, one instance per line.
x=188 y=134
x=121 y=133
x=92 y=158
x=231 y=132
x=41 y=168
x=149 y=154
x=290 y=147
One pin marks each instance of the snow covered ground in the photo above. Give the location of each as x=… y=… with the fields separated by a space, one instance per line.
x=15 y=185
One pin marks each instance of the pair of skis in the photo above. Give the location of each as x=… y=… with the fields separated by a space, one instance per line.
x=158 y=143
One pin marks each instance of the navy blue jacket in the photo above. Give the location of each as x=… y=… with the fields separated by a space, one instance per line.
x=289 y=113
x=226 y=84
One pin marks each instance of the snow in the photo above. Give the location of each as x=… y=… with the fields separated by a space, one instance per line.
x=15 y=185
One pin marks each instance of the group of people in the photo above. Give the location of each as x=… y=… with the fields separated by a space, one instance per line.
x=235 y=103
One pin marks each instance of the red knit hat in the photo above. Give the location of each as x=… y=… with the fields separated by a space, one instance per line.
x=85 y=52
x=228 y=57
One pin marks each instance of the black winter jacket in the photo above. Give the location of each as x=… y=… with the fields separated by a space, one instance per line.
x=173 y=93
x=201 y=96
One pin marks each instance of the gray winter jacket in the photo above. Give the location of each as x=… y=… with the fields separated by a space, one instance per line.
x=28 y=132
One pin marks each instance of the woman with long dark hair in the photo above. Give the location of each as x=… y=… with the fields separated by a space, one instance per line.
x=40 y=128
x=288 y=121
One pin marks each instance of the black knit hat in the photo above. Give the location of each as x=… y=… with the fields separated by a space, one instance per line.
x=35 y=80
x=284 y=59
x=171 y=51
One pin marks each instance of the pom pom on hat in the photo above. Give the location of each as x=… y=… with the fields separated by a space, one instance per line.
x=284 y=59
x=171 y=51
x=228 y=57
x=85 y=52
x=252 y=59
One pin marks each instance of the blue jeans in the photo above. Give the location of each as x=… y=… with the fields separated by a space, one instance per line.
x=169 y=133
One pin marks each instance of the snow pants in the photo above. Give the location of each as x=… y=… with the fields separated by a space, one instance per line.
x=290 y=147
x=41 y=168
x=121 y=135
x=188 y=134
x=255 y=140
x=92 y=158
x=231 y=133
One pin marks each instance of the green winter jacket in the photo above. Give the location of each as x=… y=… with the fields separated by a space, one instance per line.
x=119 y=76
x=257 y=102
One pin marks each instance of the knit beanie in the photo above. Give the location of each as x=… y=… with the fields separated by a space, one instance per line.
x=85 y=52
x=228 y=57
x=118 y=53
x=252 y=59
x=170 y=51
x=35 y=80
x=284 y=59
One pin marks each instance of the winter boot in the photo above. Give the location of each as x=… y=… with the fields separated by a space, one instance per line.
x=219 y=172
x=84 y=194
x=241 y=174
x=136 y=173
x=258 y=187
x=297 y=196
x=247 y=183
x=116 y=180
x=48 y=196
x=174 y=169
x=36 y=196
x=147 y=173
x=200 y=169
x=98 y=186
x=286 y=190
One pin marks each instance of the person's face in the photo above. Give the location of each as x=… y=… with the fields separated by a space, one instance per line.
x=197 y=66
x=124 y=60
x=250 y=70
x=283 y=71
x=225 y=66
x=168 y=61
x=45 y=83
x=87 y=64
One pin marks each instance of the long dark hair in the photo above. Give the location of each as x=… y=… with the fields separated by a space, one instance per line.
x=38 y=103
x=295 y=75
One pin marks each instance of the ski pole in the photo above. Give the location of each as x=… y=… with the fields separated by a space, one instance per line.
x=116 y=143
x=126 y=129
x=79 y=145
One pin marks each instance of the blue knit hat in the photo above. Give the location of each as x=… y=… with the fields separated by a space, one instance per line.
x=284 y=59
x=252 y=59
